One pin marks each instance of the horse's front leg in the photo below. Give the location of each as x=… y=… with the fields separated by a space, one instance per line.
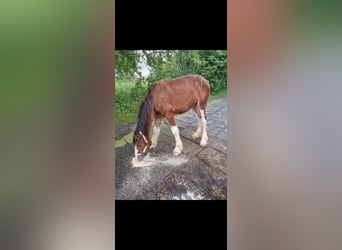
x=156 y=132
x=175 y=131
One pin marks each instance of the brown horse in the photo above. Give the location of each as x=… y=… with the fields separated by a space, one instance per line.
x=166 y=98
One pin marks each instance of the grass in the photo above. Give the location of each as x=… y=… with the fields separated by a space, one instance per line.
x=218 y=94
x=128 y=100
x=126 y=107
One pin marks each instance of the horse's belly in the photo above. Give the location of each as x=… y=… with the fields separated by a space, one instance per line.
x=183 y=107
x=176 y=108
x=181 y=111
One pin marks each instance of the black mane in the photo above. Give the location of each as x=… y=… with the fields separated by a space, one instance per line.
x=144 y=112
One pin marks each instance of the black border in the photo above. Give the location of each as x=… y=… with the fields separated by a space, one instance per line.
x=176 y=24
x=176 y=224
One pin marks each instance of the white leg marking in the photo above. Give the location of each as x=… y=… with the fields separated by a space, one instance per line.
x=204 y=140
x=198 y=132
x=135 y=151
x=155 y=136
x=179 y=145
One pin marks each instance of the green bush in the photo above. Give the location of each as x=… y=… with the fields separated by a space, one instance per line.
x=214 y=68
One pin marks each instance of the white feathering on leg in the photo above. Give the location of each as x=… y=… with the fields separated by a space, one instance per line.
x=155 y=135
x=179 y=145
x=204 y=139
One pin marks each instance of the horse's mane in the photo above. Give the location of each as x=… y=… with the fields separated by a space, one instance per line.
x=145 y=111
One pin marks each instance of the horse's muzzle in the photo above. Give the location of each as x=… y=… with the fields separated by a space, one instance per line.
x=141 y=157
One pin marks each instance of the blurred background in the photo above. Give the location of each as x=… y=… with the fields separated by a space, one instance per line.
x=284 y=152
x=56 y=105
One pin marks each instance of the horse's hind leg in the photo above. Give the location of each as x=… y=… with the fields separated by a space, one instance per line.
x=204 y=139
x=175 y=131
x=199 y=130
x=156 y=132
x=202 y=106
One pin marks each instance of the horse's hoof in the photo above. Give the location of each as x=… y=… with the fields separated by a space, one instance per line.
x=177 y=151
x=195 y=135
x=203 y=144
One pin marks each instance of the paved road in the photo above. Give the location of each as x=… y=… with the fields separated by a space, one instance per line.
x=198 y=173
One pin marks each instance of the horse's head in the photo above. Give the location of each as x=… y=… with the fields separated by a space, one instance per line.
x=141 y=145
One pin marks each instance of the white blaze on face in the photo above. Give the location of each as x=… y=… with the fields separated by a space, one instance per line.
x=135 y=151
x=145 y=162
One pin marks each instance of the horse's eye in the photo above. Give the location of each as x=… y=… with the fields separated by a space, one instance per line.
x=138 y=144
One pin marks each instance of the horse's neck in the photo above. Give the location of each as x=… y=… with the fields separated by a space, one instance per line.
x=149 y=125
x=146 y=127
x=146 y=116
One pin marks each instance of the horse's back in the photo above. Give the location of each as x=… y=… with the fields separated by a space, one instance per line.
x=188 y=82
x=180 y=94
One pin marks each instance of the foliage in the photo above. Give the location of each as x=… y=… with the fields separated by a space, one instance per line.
x=139 y=90
x=214 y=68
x=126 y=107
x=166 y=64
x=128 y=97
x=126 y=64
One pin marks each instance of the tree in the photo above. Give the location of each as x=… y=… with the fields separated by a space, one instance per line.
x=167 y=64
x=126 y=64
